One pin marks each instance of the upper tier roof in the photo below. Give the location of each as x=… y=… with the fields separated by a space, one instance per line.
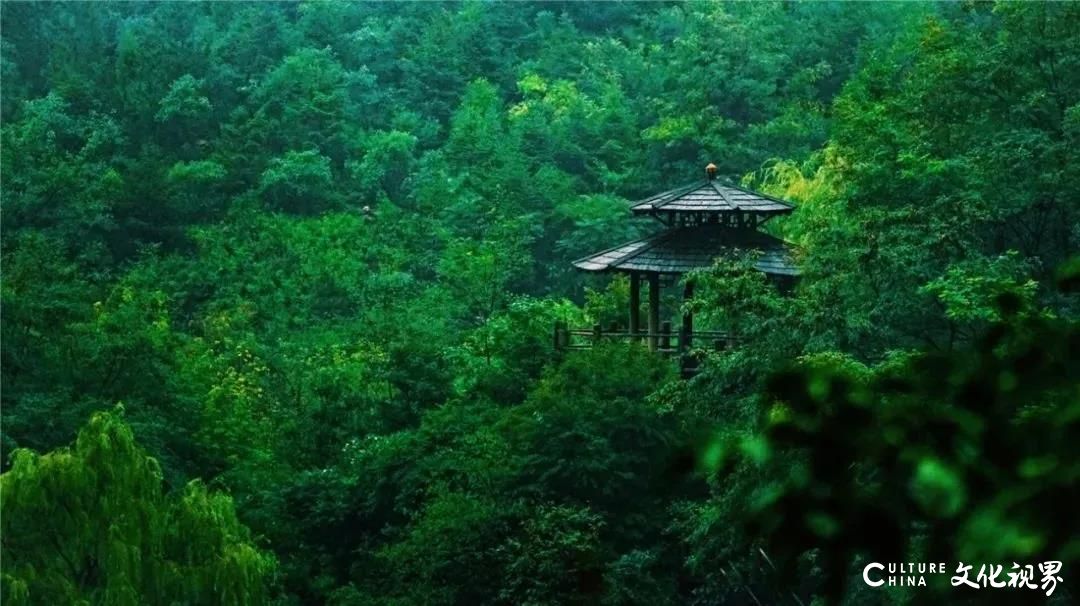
x=711 y=196
x=681 y=250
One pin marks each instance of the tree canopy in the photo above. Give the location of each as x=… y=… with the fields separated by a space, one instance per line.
x=317 y=250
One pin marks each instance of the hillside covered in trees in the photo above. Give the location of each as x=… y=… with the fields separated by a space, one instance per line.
x=280 y=279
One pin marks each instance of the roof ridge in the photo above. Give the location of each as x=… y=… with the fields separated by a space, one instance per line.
x=676 y=193
x=723 y=196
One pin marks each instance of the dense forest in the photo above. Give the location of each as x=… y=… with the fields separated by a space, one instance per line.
x=280 y=280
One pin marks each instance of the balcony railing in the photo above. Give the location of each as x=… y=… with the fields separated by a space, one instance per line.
x=687 y=346
x=665 y=341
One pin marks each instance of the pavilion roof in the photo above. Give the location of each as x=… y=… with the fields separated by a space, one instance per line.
x=680 y=250
x=711 y=196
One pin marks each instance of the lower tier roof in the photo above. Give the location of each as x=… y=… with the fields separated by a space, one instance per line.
x=681 y=250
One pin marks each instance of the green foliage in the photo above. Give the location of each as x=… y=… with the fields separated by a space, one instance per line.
x=92 y=525
x=500 y=359
x=183 y=101
x=478 y=273
x=388 y=160
x=948 y=148
x=188 y=174
x=297 y=181
x=519 y=503
x=930 y=452
x=456 y=537
x=972 y=292
x=318 y=251
x=559 y=550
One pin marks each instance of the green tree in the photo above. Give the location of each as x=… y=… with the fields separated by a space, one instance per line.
x=92 y=524
x=934 y=456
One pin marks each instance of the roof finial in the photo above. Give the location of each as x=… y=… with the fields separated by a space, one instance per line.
x=710 y=171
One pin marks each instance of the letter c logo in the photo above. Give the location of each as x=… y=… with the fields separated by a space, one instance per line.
x=866 y=574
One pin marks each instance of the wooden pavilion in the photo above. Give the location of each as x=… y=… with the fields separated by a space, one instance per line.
x=704 y=220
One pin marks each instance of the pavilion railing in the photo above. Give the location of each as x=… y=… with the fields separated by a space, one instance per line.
x=664 y=341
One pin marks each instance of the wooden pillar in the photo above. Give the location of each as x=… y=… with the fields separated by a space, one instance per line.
x=654 y=310
x=688 y=318
x=635 y=303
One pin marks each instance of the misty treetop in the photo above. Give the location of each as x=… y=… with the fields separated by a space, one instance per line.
x=280 y=280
